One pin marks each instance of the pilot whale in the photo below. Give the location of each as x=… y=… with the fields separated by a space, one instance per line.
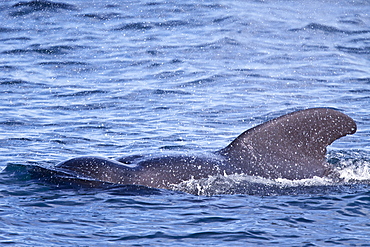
x=292 y=146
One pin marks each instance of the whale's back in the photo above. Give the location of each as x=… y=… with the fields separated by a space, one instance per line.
x=292 y=146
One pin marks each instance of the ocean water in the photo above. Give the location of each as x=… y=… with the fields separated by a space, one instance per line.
x=116 y=78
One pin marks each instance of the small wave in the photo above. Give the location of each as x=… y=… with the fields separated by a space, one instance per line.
x=51 y=50
x=25 y=8
x=59 y=63
x=319 y=27
x=103 y=17
x=12 y=123
x=170 y=24
x=327 y=29
x=354 y=50
x=6 y=30
x=135 y=26
x=219 y=44
x=12 y=82
x=162 y=91
x=82 y=93
x=15 y=38
x=169 y=74
x=200 y=82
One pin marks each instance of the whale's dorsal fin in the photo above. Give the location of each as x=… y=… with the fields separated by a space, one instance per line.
x=292 y=146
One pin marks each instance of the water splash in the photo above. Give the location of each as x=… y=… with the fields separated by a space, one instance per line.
x=351 y=172
x=355 y=171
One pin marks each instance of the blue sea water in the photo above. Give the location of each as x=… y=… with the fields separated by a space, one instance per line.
x=116 y=78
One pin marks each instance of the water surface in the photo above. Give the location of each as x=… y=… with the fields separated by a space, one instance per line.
x=117 y=78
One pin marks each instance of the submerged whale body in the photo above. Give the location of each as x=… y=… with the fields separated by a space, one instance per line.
x=292 y=146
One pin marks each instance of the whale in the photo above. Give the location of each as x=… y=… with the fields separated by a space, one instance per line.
x=292 y=146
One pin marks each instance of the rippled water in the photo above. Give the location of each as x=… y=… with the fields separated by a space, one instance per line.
x=116 y=78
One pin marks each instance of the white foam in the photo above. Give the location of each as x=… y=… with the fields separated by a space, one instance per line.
x=355 y=170
x=352 y=171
